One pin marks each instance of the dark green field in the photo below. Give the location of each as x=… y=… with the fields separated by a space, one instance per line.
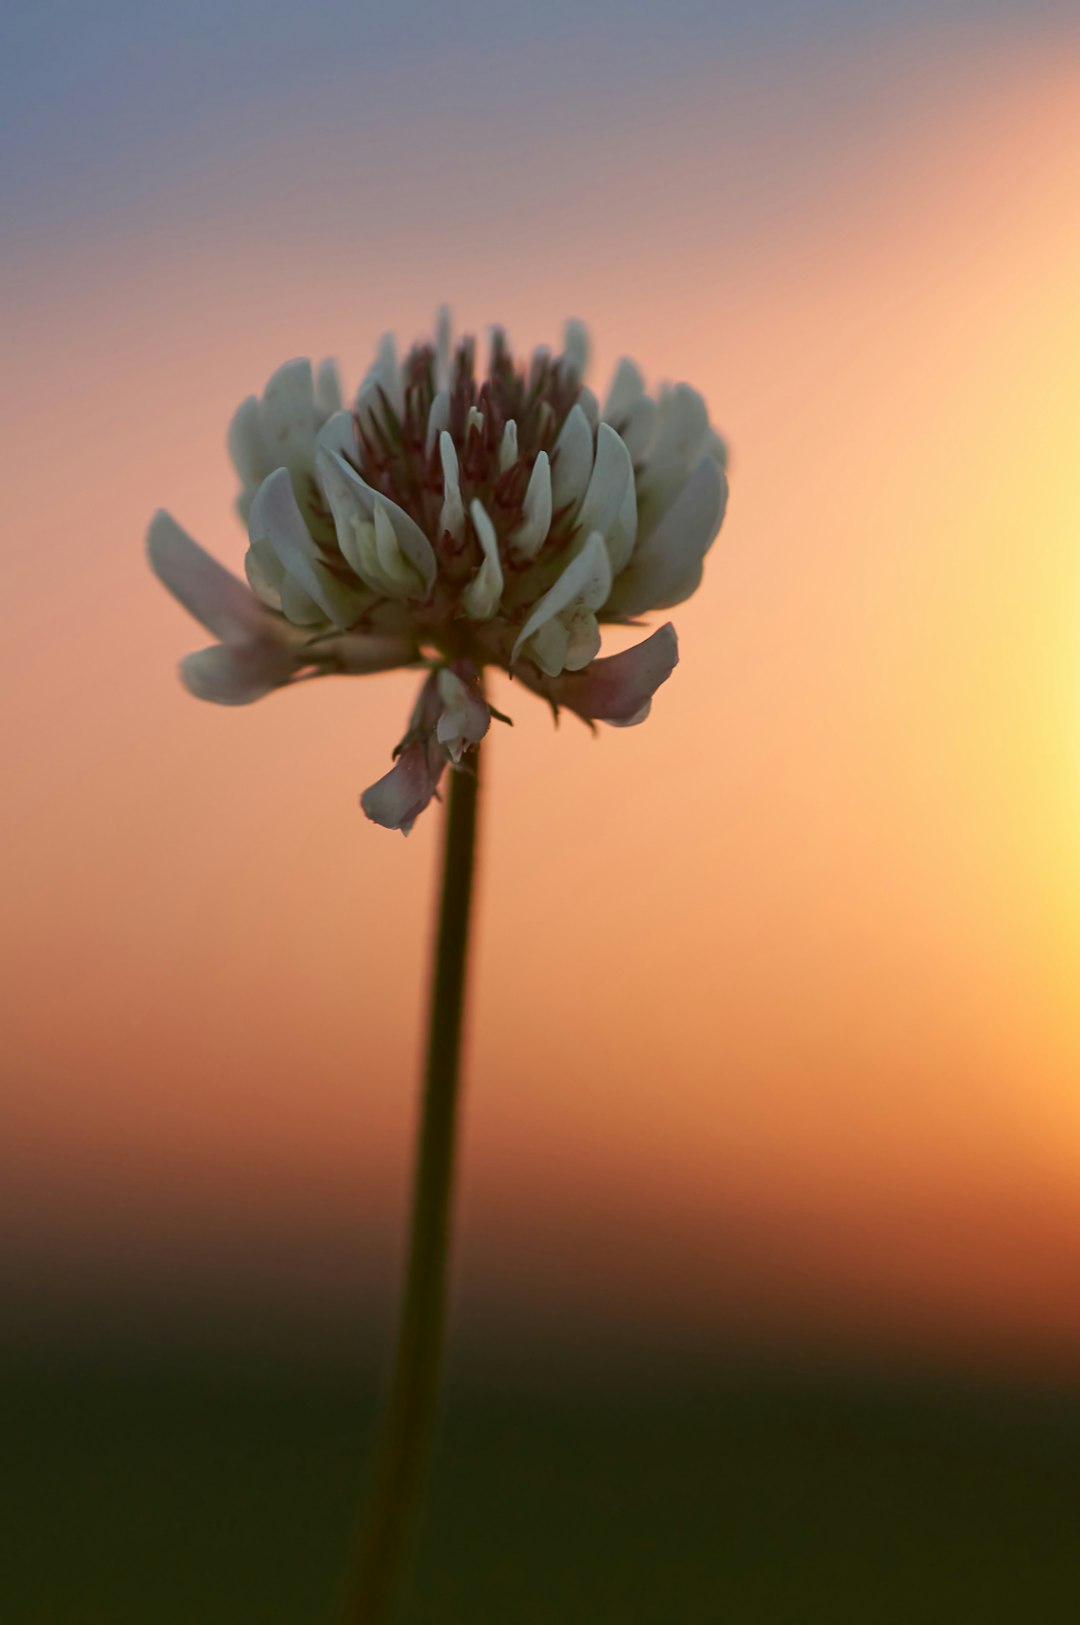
x=179 y=1492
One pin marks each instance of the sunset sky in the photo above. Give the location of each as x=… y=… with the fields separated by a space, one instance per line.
x=775 y=1017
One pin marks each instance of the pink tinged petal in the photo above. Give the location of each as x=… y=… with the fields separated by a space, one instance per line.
x=236 y=674
x=276 y=519
x=573 y=461
x=452 y=514
x=627 y=386
x=287 y=419
x=481 y=597
x=529 y=537
x=397 y=799
x=586 y=580
x=618 y=689
x=244 y=443
x=328 y=397
x=353 y=502
x=667 y=565
x=204 y=587
x=465 y=717
x=605 y=507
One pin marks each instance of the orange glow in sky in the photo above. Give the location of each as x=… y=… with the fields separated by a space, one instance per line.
x=775 y=999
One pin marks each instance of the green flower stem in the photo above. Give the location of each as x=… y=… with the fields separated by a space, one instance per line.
x=409 y=1423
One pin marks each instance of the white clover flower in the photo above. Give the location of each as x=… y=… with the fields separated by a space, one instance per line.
x=455 y=525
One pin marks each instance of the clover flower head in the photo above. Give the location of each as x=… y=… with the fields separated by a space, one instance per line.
x=452 y=524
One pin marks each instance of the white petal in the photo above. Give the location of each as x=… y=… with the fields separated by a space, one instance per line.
x=385 y=374
x=576 y=346
x=638 y=427
x=573 y=460
x=508 y=446
x=245 y=444
x=586 y=580
x=529 y=537
x=328 y=397
x=475 y=420
x=582 y=637
x=452 y=514
x=239 y=674
x=287 y=419
x=548 y=645
x=481 y=597
x=667 y=565
x=264 y=581
x=443 y=332
x=682 y=427
x=352 y=501
x=622 y=533
x=395 y=567
x=590 y=406
x=465 y=717
x=627 y=386
x=338 y=434
x=368 y=409
x=438 y=420
x=206 y=589
x=605 y=498
x=298 y=606
x=276 y=518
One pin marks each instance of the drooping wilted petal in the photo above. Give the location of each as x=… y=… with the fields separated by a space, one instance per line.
x=397 y=799
x=206 y=589
x=361 y=653
x=619 y=688
x=237 y=674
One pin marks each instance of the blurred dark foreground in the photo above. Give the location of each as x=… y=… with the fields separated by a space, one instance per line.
x=190 y=1490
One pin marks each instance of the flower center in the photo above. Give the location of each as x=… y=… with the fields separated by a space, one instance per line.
x=498 y=428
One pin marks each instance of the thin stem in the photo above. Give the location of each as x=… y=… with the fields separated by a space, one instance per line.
x=404 y=1447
